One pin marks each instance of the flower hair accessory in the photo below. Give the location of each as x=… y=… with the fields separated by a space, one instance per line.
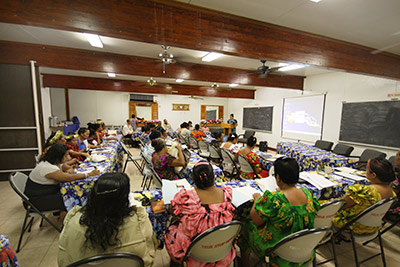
x=70 y=137
x=201 y=163
x=56 y=137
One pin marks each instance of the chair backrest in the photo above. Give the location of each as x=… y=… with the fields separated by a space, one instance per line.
x=110 y=260
x=343 y=150
x=325 y=145
x=203 y=146
x=182 y=139
x=370 y=154
x=299 y=247
x=373 y=215
x=215 y=243
x=392 y=160
x=227 y=156
x=326 y=213
x=193 y=142
x=248 y=133
x=18 y=182
x=214 y=154
x=245 y=165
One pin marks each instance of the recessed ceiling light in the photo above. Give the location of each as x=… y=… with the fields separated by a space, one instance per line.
x=111 y=74
x=94 y=40
x=179 y=80
x=291 y=67
x=211 y=56
x=233 y=85
x=315 y=1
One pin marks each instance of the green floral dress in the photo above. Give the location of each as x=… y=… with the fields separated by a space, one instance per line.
x=281 y=219
x=364 y=196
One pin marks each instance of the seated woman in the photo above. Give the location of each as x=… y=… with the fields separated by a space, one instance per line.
x=107 y=224
x=360 y=196
x=204 y=127
x=198 y=210
x=163 y=162
x=218 y=139
x=164 y=134
x=102 y=132
x=72 y=143
x=54 y=138
x=144 y=137
x=248 y=153
x=231 y=144
x=82 y=141
x=43 y=188
x=197 y=133
x=393 y=213
x=276 y=215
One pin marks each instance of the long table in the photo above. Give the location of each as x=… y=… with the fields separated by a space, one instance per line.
x=76 y=192
x=312 y=158
x=194 y=158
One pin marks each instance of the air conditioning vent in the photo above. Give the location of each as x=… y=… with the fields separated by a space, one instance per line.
x=141 y=98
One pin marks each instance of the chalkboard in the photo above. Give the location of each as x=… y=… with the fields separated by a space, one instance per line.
x=375 y=123
x=258 y=118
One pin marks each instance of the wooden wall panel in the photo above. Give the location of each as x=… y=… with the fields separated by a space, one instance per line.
x=76 y=59
x=61 y=81
x=182 y=25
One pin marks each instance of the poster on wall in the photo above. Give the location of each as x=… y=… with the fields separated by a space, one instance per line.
x=182 y=107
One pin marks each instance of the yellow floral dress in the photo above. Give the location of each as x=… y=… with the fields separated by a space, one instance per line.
x=364 y=196
x=281 y=219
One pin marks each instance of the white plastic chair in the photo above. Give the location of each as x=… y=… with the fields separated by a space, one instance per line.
x=372 y=217
x=215 y=155
x=229 y=165
x=204 y=150
x=298 y=247
x=193 y=144
x=110 y=260
x=245 y=166
x=214 y=244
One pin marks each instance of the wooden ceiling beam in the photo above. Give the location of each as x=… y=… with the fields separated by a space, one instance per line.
x=187 y=26
x=74 y=82
x=76 y=59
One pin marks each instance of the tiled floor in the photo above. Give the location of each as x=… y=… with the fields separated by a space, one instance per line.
x=39 y=247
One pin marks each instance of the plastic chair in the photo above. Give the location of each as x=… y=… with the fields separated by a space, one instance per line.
x=366 y=155
x=214 y=244
x=298 y=247
x=230 y=169
x=372 y=217
x=324 y=219
x=18 y=182
x=130 y=158
x=215 y=155
x=245 y=136
x=392 y=160
x=110 y=260
x=193 y=144
x=245 y=166
x=147 y=173
x=325 y=145
x=343 y=150
x=204 y=150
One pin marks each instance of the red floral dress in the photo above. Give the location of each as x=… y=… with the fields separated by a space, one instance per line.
x=76 y=149
x=195 y=218
x=255 y=160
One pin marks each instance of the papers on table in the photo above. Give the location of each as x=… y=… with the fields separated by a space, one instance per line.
x=345 y=169
x=267 y=184
x=316 y=180
x=271 y=157
x=132 y=201
x=170 y=188
x=350 y=176
x=96 y=158
x=241 y=195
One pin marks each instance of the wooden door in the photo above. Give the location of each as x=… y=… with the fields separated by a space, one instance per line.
x=154 y=109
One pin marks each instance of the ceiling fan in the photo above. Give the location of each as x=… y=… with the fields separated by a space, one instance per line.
x=216 y=86
x=166 y=57
x=264 y=70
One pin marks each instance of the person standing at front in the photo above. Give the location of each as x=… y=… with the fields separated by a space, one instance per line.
x=234 y=122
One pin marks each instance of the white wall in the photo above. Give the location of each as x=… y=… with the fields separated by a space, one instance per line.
x=58 y=103
x=46 y=110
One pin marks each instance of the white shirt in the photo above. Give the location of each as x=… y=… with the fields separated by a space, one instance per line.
x=41 y=170
x=126 y=130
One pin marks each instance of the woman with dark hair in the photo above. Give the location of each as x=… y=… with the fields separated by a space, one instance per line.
x=393 y=213
x=107 y=224
x=218 y=139
x=198 y=210
x=163 y=162
x=82 y=141
x=360 y=196
x=197 y=133
x=43 y=188
x=248 y=153
x=164 y=134
x=276 y=215
x=231 y=144
x=72 y=143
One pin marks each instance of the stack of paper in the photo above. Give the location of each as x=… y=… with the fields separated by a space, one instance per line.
x=170 y=188
x=350 y=176
x=267 y=184
x=241 y=195
x=345 y=169
x=316 y=180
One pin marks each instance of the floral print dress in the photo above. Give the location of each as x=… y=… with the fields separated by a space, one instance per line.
x=195 y=218
x=281 y=219
x=255 y=160
x=164 y=168
x=394 y=212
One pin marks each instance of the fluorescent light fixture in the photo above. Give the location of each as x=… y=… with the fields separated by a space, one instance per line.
x=233 y=85
x=315 y=1
x=211 y=56
x=179 y=80
x=291 y=67
x=111 y=74
x=94 y=40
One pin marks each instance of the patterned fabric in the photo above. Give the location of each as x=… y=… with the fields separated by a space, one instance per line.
x=198 y=135
x=281 y=219
x=76 y=149
x=195 y=218
x=394 y=211
x=81 y=144
x=8 y=258
x=255 y=160
x=164 y=168
x=364 y=196
x=194 y=158
x=76 y=192
x=310 y=158
x=233 y=122
x=147 y=152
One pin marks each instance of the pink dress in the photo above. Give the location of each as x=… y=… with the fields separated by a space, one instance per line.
x=196 y=218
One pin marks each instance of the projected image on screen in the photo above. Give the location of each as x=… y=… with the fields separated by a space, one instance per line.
x=303 y=117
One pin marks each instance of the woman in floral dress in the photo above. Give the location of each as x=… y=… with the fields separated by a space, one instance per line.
x=198 y=210
x=163 y=162
x=254 y=160
x=276 y=215
x=360 y=196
